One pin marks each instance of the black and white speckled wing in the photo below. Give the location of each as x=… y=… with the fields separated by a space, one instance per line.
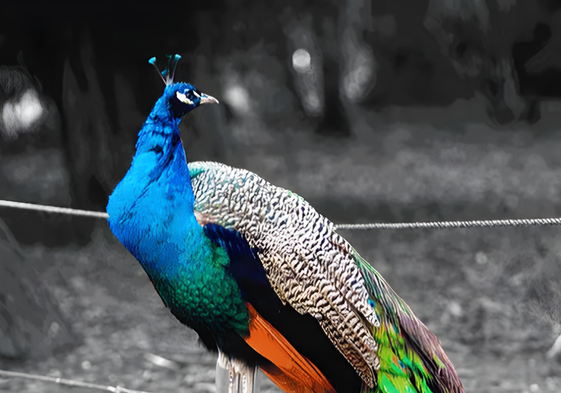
x=308 y=264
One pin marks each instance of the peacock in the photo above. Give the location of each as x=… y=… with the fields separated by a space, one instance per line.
x=261 y=276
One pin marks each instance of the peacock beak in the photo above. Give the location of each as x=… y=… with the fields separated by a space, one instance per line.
x=206 y=99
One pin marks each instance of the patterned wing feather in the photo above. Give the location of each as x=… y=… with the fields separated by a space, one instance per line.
x=316 y=271
x=308 y=264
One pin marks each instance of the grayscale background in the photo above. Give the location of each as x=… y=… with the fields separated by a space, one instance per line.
x=373 y=111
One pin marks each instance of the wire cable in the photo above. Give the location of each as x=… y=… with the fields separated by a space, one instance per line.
x=53 y=209
x=523 y=222
x=454 y=224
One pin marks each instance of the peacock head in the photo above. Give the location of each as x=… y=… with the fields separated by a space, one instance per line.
x=181 y=97
x=184 y=97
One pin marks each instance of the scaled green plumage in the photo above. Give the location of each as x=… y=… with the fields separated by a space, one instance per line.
x=407 y=348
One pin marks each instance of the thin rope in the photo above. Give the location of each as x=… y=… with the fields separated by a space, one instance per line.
x=523 y=222
x=67 y=382
x=454 y=224
x=53 y=209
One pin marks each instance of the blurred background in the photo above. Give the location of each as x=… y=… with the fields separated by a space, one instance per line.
x=373 y=111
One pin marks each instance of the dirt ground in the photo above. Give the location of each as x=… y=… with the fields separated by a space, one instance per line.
x=494 y=337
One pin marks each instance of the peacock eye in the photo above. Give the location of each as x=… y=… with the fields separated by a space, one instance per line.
x=183 y=98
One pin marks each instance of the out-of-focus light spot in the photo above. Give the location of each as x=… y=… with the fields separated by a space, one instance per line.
x=481 y=258
x=455 y=308
x=19 y=116
x=238 y=98
x=359 y=74
x=313 y=104
x=301 y=61
x=162 y=362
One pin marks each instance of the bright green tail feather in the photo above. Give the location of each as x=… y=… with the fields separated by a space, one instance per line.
x=411 y=358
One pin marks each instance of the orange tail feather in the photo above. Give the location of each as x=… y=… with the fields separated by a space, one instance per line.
x=293 y=372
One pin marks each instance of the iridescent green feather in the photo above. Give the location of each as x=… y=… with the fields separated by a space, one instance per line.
x=411 y=359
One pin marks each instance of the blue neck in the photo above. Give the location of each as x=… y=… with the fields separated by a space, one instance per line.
x=145 y=206
x=151 y=211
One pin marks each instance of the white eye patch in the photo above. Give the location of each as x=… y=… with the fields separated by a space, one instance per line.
x=183 y=98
